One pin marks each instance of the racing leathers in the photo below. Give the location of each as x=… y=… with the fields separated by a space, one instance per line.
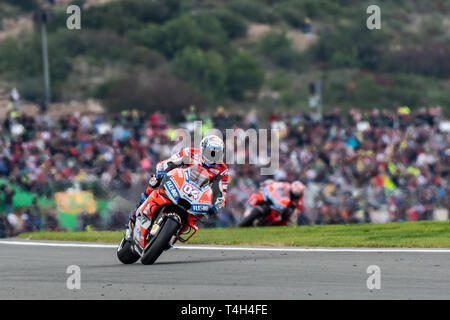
x=281 y=199
x=183 y=159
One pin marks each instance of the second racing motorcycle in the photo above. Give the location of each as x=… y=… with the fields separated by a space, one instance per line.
x=266 y=208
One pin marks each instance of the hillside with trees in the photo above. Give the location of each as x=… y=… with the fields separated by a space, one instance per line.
x=170 y=54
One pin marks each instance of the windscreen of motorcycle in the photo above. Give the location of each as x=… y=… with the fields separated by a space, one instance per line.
x=198 y=176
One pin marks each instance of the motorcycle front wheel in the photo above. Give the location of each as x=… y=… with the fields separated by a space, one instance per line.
x=125 y=253
x=168 y=230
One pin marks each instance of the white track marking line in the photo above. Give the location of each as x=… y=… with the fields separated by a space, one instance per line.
x=317 y=249
x=233 y=248
x=59 y=244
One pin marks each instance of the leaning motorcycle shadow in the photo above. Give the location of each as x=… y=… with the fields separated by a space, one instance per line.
x=215 y=260
x=255 y=256
x=189 y=260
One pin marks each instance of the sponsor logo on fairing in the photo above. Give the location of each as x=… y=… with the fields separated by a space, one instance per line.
x=200 y=208
x=170 y=187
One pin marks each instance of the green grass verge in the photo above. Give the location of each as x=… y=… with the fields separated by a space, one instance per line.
x=407 y=234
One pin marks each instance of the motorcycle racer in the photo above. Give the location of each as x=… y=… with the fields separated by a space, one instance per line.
x=284 y=198
x=210 y=156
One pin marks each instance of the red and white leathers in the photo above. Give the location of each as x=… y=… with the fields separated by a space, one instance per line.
x=191 y=156
x=280 y=194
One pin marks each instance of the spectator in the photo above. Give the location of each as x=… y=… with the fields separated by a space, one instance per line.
x=51 y=222
x=36 y=214
x=8 y=195
x=14 y=97
x=3 y=227
x=15 y=221
x=306 y=27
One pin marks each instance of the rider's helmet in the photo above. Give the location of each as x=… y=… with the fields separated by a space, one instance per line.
x=211 y=149
x=296 y=191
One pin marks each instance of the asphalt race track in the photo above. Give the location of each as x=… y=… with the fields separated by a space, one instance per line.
x=39 y=272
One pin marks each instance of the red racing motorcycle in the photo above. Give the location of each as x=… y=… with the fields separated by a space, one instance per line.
x=267 y=208
x=168 y=215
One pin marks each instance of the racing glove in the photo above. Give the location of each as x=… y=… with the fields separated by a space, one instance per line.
x=155 y=180
x=166 y=167
x=159 y=174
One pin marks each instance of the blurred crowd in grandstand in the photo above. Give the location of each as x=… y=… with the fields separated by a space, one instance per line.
x=380 y=165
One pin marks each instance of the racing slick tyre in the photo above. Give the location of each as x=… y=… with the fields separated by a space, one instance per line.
x=249 y=220
x=125 y=253
x=168 y=230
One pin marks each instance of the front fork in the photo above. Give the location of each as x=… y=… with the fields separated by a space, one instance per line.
x=129 y=231
x=189 y=226
x=190 y=223
x=157 y=226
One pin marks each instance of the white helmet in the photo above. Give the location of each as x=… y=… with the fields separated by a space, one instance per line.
x=297 y=189
x=211 y=149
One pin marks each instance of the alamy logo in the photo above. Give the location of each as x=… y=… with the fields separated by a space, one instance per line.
x=242 y=146
x=73 y=22
x=74 y=280
x=374 y=280
x=374 y=20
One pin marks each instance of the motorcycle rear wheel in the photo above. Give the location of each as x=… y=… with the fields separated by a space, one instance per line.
x=168 y=230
